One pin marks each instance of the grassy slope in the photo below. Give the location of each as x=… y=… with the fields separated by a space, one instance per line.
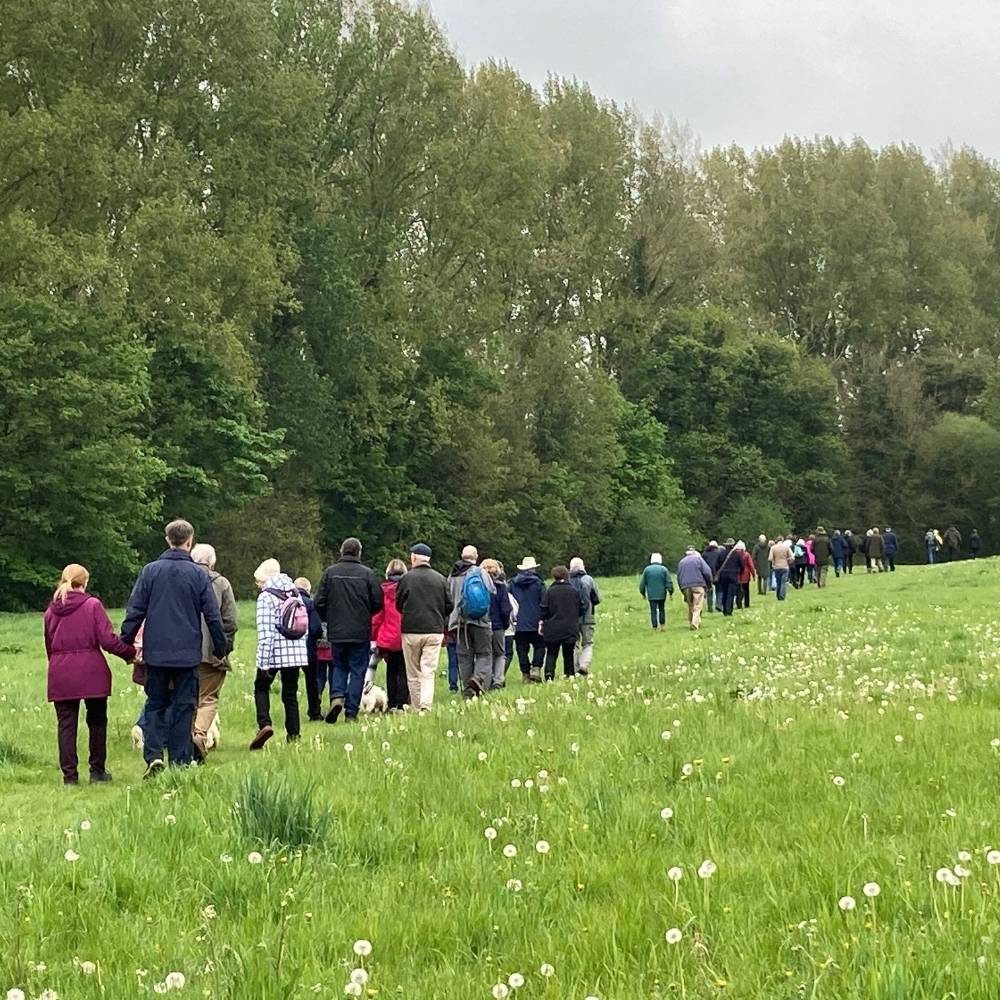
x=890 y=682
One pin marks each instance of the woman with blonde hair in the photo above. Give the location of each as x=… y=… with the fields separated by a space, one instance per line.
x=500 y=615
x=77 y=631
x=387 y=635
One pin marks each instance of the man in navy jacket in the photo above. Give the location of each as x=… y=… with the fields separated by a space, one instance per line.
x=172 y=596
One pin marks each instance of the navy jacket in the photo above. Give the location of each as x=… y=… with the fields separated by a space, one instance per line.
x=171 y=596
x=500 y=607
x=891 y=543
x=315 y=624
x=839 y=545
x=528 y=588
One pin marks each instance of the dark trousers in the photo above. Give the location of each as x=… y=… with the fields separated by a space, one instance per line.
x=313 y=707
x=451 y=647
x=838 y=564
x=761 y=584
x=508 y=649
x=729 y=589
x=289 y=698
x=849 y=563
x=890 y=562
x=68 y=718
x=324 y=677
x=952 y=553
x=350 y=662
x=657 y=614
x=522 y=642
x=552 y=650
x=171 y=696
x=743 y=595
x=396 y=689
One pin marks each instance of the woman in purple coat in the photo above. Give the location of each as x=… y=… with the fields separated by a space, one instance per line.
x=77 y=628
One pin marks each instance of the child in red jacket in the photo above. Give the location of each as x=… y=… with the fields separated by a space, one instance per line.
x=388 y=639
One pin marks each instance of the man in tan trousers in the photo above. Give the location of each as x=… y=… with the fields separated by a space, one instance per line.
x=424 y=604
x=212 y=671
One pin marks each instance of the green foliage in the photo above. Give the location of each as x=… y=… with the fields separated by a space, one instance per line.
x=271 y=811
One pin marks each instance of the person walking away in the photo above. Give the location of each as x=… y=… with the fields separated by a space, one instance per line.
x=694 y=577
x=348 y=597
x=324 y=665
x=728 y=576
x=865 y=549
x=810 y=559
x=211 y=671
x=953 y=543
x=500 y=614
x=891 y=544
x=471 y=592
x=838 y=546
x=314 y=707
x=712 y=555
x=761 y=565
x=171 y=599
x=851 y=547
x=527 y=588
x=590 y=596
x=747 y=573
x=655 y=585
x=782 y=560
x=875 y=550
x=387 y=634
x=508 y=636
x=822 y=552
x=77 y=629
x=424 y=603
x=975 y=543
x=282 y=649
x=562 y=609
x=801 y=561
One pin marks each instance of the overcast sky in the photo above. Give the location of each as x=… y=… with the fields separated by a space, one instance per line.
x=752 y=71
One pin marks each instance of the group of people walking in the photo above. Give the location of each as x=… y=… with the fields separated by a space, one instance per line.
x=181 y=622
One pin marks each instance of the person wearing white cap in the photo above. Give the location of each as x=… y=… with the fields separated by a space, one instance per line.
x=655 y=584
x=591 y=597
x=527 y=589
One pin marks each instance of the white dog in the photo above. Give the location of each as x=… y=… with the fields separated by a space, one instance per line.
x=374 y=700
x=213 y=737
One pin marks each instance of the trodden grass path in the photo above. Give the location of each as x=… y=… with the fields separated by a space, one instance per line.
x=863 y=751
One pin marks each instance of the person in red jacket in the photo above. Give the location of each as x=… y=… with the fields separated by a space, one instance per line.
x=77 y=629
x=387 y=636
x=747 y=573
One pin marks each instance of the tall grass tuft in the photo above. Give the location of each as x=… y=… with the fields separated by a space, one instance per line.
x=10 y=754
x=271 y=810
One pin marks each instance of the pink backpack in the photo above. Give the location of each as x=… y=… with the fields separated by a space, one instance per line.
x=293 y=617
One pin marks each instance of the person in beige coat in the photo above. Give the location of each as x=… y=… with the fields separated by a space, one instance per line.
x=212 y=671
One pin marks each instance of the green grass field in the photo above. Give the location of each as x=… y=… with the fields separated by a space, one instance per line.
x=864 y=750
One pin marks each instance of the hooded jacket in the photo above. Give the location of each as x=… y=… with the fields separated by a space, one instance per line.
x=839 y=546
x=761 y=552
x=891 y=543
x=589 y=593
x=527 y=589
x=348 y=597
x=274 y=651
x=76 y=630
x=456 y=580
x=500 y=607
x=822 y=549
x=655 y=582
x=387 y=625
x=173 y=595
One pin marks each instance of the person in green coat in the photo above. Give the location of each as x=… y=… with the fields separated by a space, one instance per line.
x=655 y=584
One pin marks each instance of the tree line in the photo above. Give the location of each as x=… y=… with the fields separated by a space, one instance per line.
x=286 y=269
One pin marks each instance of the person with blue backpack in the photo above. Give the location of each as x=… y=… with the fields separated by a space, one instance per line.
x=471 y=590
x=282 y=649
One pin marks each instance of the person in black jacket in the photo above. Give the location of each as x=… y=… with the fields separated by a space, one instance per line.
x=728 y=576
x=172 y=596
x=850 y=551
x=424 y=603
x=349 y=595
x=528 y=589
x=561 y=611
x=713 y=554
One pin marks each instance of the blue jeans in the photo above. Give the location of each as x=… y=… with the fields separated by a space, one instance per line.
x=838 y=564
x=729 y=588
x=781 y=583
x=931 y=555
x=658 y=613
x=452 y=648
x=170 y=713
x=350 y=661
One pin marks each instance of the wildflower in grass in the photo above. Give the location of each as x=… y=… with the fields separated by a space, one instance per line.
x=515 y=783
x=88 y=968
x=255 y=857
x=871 y=889
x=574 y=747
x=514 y=884
x=839 y=780
x=482 y=756
x=962 y=872
x=209 y=912
x=964 y=856
x=359 y=976
x=675 y=874
x=993 y=857
x=942 y=874
x=353 y=989
x=175 y=980
x=898 y=738
x=170 y=819
x=85 y=825
x=515 y=980
x=226 y=859
x=846 y=903
x=673 y=935
x=15 y=994
x=71 y=856
x=547 y=970
x=666 y=813
x=489 y=833
x=666 y=735
x=687 y=770
x=362 y=948
x=48 y=995
x=542 y=847
x=995 y=743
x=510 y=851
x=348 y=748
x=500 y=991
x=707 y=868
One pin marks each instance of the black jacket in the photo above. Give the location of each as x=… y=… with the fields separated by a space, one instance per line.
x=172 y=596
x=349 y=594
x=423 y=601
x=730 y=565
x=315 y=632
x=561 y=609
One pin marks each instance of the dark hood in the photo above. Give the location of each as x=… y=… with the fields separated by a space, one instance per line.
x=75 y=600
x=461 y=567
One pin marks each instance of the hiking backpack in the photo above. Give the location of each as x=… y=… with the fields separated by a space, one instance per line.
x=293 y=616
x=475 y=602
